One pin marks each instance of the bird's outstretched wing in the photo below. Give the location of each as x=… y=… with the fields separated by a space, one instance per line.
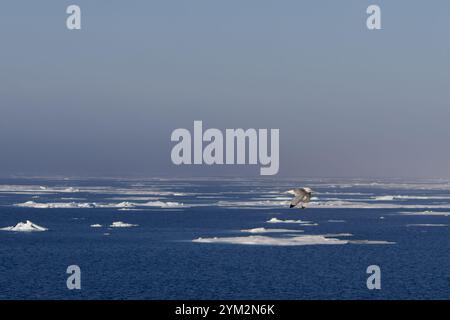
x=301 y=195
x=299 y=192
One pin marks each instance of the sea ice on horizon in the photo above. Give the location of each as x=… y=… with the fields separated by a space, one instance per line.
x=427 y=225
x=425 y=213
x=409 y=197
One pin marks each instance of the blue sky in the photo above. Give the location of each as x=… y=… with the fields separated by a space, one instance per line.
x=104 y=100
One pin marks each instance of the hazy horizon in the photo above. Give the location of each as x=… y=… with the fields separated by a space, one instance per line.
x=103 y=100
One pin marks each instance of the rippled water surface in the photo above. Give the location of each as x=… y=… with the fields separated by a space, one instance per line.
x=224 y=239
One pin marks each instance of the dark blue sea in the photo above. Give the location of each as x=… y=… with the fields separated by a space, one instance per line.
x=211 y=239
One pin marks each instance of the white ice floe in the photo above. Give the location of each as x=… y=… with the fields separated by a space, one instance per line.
x=32 y=204
x=120 y=224
x=26 y=189
x=156 y=204
x=302 y=240
x=96 y=225
x=276 y=220
x=384 y=198
x=264 y=230
x=271 y=241
x=27 y=226
x=78 y=205
x=336 y=221
x=302 y=222
x=127 y=204
x=123 y=205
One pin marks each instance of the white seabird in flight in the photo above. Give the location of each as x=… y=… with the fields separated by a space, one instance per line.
x=302 y=195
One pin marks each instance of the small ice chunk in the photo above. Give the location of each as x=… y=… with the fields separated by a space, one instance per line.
x=120 y=224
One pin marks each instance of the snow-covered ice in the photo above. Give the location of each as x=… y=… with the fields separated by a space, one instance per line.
x=27 y=226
